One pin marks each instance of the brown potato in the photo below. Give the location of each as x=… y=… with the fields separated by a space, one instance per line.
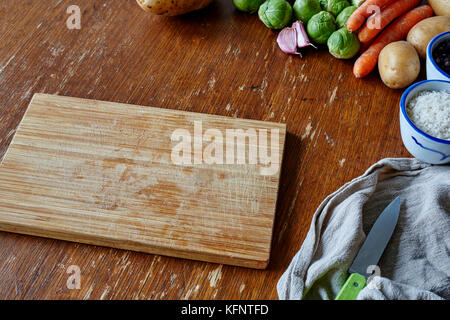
x=172 y=7
x=422 y=33
x=398 y=64
x=440 y=7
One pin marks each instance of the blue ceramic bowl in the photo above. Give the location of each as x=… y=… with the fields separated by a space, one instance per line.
x=433 y=70
x=420 y=144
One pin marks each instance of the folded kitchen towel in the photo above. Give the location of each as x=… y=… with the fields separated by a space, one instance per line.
x=416 y=261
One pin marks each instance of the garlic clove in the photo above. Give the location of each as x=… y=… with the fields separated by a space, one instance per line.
x=287 y=40
x=302 y=36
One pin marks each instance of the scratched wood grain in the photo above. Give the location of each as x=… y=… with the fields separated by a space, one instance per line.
x=109 y=174
x=215 y=61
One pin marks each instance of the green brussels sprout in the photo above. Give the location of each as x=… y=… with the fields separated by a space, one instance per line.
x=275 y=14
x=343 y=44
x=323 y=4
x=250 y=6
x=336 y=6
x=320 y=27
x=305 y=9
x=341 y=19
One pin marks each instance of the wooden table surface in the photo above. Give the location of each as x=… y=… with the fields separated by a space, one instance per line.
x=215 y=61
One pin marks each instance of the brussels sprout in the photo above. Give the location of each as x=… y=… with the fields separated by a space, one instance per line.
x=250 y=6
x=275 y=14
x=321 y=26
x=341 y=19
x=336 y=6
x=305 y=9
x=343 y=44
x=323 y=4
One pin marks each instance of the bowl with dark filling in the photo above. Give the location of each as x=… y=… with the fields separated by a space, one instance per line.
x=438 y=57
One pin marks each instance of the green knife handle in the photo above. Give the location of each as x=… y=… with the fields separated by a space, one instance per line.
x=352 y=287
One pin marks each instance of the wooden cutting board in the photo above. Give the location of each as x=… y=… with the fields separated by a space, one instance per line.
x=128 y=177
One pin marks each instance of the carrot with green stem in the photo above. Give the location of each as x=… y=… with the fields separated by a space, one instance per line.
x=377 y=22
x=397 y=31
x=359 y=16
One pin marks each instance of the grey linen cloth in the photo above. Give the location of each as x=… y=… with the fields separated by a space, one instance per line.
x=416 y=262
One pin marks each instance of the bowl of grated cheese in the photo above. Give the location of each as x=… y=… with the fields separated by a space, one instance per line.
x=425 y=121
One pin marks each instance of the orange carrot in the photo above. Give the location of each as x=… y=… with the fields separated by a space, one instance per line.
x=358 y=17
x=397 y=31
x=380 y=20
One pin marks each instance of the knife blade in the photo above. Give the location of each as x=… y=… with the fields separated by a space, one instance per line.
x=371 y=251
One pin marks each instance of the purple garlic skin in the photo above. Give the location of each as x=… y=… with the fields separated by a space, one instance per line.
x=291 y=38
x=287 y=40
x=302 y=36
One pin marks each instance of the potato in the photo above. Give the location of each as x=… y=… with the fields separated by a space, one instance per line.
x=440 y=7
x=398 y=64
x=172 y=7
x=422 y=33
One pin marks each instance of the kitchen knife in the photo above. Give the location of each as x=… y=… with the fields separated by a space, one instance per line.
x=371 y=251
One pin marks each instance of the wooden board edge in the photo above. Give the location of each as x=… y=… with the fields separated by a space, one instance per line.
x=35 y=96
x=277 y=196
x=136 y=246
